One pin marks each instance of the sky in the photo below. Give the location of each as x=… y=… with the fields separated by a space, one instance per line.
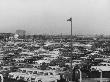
x=50 y=16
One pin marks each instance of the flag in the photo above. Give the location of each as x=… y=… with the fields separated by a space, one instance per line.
x=70 y=19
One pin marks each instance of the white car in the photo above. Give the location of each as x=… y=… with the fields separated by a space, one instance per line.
x=13 y=75
x=18 y=76
x=46 y=77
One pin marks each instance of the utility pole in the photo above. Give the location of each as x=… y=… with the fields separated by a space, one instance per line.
x=100 y=75
x=71 y=48
x=80 y=80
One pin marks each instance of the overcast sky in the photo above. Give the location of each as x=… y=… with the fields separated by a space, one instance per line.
x=49 y=16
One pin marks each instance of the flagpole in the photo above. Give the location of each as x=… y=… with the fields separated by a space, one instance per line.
x=71 y=51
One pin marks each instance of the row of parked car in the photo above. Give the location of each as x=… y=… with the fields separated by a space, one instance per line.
x=35 y=75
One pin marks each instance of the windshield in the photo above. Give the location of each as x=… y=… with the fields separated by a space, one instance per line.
x=40 y=73
x=45 y=73
x=35 y=72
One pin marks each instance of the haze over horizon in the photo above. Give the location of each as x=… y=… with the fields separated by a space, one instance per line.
x=50 y=16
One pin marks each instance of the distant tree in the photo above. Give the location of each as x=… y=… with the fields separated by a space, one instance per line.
x=43 y=66
x=52 y=63
x=1 y=37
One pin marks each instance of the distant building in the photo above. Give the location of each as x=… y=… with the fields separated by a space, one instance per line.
x=21 y=32
x=16 y=36
x=5 y=35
